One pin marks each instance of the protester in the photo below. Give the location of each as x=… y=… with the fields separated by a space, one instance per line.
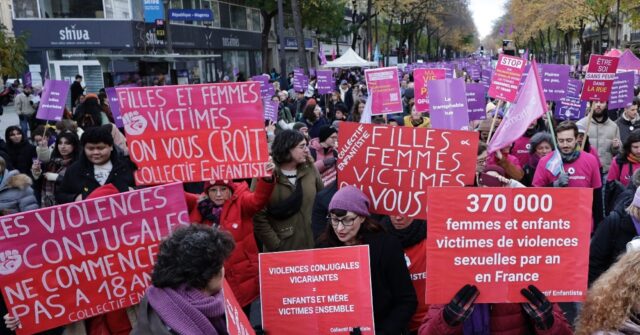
x=284 y=113
x=313 y=118
x=481 y=161
x=341 y=112
x=508 y=162
x=495 y=176
x=626 y=162
x=49 y=177
x=588 y=148
x=16 y=194
x=629 y=120
x=357 y=111
x=25 y=109
x=302 y=129
x=346 y=94
x=521 y=147
x=21 y=152
x=540 y=145
x=416 y=120
x=394 y=298
x=89 y=113
x=324 y=153
x=603 y=134
x=331 y=105
x=285 y=223
x=613 y=302
x=76 y=90
x=186 y=293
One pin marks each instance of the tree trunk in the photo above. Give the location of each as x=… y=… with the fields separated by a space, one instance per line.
x=266 y=18
x=544 y=50
x=600 y=31
x=583 y=47
x=369 y=29
x=387 y=42
x=550 y=57
x=297 y=26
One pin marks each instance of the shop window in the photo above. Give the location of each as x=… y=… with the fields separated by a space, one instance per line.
x=255 y=19
x=236 y=62
x=238 y=17
x=89 y=9
x=25 y=9
x=117 y=9
x=215 y=9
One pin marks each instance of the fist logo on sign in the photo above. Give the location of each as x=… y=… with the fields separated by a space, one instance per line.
x=10 y=261
x=134 y=123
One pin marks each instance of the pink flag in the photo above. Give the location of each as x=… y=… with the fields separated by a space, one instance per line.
x=529 y=106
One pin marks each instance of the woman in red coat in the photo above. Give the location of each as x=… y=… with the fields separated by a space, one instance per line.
x=231 y=206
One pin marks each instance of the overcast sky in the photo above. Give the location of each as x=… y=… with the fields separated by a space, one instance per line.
x=484 y=13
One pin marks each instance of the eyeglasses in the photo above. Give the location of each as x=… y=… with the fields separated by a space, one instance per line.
x=346 y=221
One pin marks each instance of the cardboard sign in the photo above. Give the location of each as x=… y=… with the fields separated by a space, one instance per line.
x=114 y=106
x=570 y=107
x=554 y=79
x=448 y=104
x=325 y=84
x=237 y=322
x=599 y=78
x=53 y=100
x=394 y=166
x=384 y=90
x=421 y=77
x=504 y=239
x=621 y=91
x=476 y=101
x=71 y=262
x=320 y=291
x=195 y=132
x=506 y=78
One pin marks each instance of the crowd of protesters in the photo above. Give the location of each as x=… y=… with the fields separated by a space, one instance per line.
x=300 y=207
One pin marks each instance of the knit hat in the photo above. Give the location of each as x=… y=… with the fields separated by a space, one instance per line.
x=213 y=183
x=491 y=181
x=636 y=198
x=539 y=138
x=325 y=132
x=350 y=199
x=298 y=125
x=490 y=106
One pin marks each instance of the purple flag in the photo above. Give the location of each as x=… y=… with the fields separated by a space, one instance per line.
x=448 y=104
x=114 y=106
x=622 y=90
x=554 y=81
x=529 y=106
x=270 y=110
x=53 y=99
x=570 y=107
x=325 y=82
x=476 y=101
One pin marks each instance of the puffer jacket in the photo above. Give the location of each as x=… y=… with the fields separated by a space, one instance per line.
x=328 y=174
x=16 y=194
x=241 y=268
x=601 y=136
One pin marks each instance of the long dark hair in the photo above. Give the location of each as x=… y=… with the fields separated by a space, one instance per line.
x=330 y=239
x=8 y=131
x=282 y=145
x=73 y=140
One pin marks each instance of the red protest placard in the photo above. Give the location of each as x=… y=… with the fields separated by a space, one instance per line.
x=599 y=78
x=71 y=262
x=506 y=78
x=237 y=322
x=384 y=88
x=421 y=77
x=504 y=239
x=394 y=166
x=195 y=132
x=320 y=291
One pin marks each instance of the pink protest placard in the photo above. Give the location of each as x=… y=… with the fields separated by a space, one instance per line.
x=506 y=78
x=421 y=77
x=599 y=78
x=384 y=88
x=71 y=262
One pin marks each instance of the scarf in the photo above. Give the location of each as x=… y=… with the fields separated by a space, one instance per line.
x=188 y=311
x=633 y=159
x=479 y=321
x=210 y=211
x=570 y=158
x=410 y=236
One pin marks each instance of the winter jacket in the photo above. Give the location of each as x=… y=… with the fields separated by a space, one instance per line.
x=426 y=122
x=505 y=319
x=625 y=127
x=118 y=322
x=292 y=233
x=314 y=128
x=319 y=220
x=23 y=105
x=601 y=135
x=149 y=322
x=79 y=178
x=622 y=170
x=509 y=163
x=319 y=154
x=22 y=155
x=16 y=194
x=241 y=268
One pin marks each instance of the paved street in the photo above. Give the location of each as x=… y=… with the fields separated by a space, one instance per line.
x=8 y=118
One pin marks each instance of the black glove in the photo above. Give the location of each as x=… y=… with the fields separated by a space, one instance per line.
x=562 y=181
x=539 y=309
x=461 y=305
x=329 y=162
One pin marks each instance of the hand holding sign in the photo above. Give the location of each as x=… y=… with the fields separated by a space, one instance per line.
x=10 y=261
x=538 y=308
x=12 y=323
x=461 y=306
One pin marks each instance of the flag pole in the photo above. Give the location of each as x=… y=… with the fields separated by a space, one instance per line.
x=553 y=137
x=493 y=122
x=586 y=133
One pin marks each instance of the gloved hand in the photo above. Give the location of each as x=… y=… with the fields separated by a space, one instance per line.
x=461 y=305
x=329 y=162
x=562 y=181
x=51 y=176
x=539 y=309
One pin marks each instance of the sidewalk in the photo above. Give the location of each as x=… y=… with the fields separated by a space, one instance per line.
x=8 y=118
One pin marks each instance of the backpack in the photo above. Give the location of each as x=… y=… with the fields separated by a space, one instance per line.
x=613 y=189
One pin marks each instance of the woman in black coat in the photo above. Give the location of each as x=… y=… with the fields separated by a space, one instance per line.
x=21 y=152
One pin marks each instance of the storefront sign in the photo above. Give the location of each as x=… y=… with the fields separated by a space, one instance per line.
x=76 y=33
x=153 y=10
x=190 y=15
x=292 y=43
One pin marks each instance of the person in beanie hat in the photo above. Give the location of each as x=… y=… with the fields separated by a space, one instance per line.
x=302 y=128
x=539 y=146
x=324 y=153
x=349 y=223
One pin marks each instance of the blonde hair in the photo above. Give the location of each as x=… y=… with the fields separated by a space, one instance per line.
x=634 y=211
x=613 y=297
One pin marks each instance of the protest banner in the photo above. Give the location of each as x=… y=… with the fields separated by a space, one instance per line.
x=325 y=84
x=448 y=104
x=504 y=239
x=599 y=78
x=53 y=100
x=237 y=321
x=266 y=89
x=554 y=79
x=270 y=110
x=384 y=90
x=621 y=90
x=505 y=80
x=327 y=291
x=195 y=132
x=394 y=166
x=421 y=77
x=114 y=106
x=476 y=101
x=71 y=262
x=570 y=107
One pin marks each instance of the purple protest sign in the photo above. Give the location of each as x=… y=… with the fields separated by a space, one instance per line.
x=270 y=110
x=53 y=99
x=571 y=107
x=448 y=104
x=526 y=73
x=486 y=78
x=114 y=106
x=27 y=81
x=298 y=80
x=475 y=72
x=475 y=101
x=622 y=90
x=554 y=81
x=266 y=89
x=325 y=82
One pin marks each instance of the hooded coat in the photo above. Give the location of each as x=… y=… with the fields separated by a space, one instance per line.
x=16 y=194
x=601 y=135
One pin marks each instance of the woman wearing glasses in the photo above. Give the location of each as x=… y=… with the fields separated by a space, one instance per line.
x=394 y=298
